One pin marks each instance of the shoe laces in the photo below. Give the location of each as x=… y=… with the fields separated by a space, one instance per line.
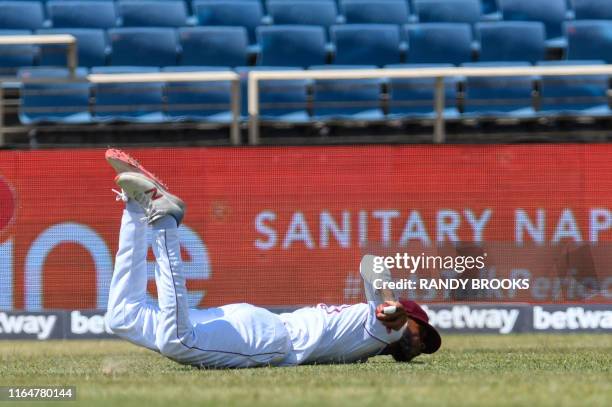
x=147 y=205
x=143 y=201
x=120 y=195
x=149 y=216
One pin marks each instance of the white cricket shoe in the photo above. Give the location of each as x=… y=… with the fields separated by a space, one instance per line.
x=156 y=201
x=122 y=162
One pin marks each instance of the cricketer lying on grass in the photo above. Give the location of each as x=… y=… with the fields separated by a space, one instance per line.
x=237 y=335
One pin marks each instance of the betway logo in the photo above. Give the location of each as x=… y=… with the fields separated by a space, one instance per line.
x=82 y=324
x=39 y=325
x=464 y=317
x=572 y=318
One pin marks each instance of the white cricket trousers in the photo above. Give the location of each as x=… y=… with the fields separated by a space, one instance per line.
x=238 y=335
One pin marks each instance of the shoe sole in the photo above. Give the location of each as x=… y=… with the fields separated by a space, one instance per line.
x=123 y=162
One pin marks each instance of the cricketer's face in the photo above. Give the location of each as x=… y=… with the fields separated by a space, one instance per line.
x=410 y=345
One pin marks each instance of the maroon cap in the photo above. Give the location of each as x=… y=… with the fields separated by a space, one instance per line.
x=432 y=337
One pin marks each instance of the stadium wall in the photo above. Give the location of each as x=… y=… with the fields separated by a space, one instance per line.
x=284 y=227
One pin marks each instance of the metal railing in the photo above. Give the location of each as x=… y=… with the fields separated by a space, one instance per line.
x=68 y=40
x=224 y=76
x=155 y=77
x=439 y=74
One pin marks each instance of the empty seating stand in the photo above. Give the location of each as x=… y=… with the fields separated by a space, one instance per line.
x=117 y=36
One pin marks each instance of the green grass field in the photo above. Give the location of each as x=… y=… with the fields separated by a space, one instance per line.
x=519 y=370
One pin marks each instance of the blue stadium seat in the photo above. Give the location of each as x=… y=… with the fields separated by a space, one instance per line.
x=439 y=43
x=303 y=12
x=82 y=14
x=21 y=15
x=551 y=13
x=15 y=56
x=589 y=39
x=53 y=102
x=143 y=46
x=244 y=13
x=414 y=98
x=213 y=46
x=445 y=11
x=512 y=41
x=347 y=99
x=291 y=45
x=366 y=44
x=153 y=13
x=198 y=101
x=131 y=102
x=375 y=11
x=91 y=47
x=279 y=101
x=593 y=9
x=499 y=96
x=574 y=95
x=489 y=7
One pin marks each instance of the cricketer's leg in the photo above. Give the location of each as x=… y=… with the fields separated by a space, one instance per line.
x=129 y=315
x=174 y=337
x=177 y=337
x=241 y=336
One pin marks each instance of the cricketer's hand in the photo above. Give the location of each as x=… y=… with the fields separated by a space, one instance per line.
x=394 y=321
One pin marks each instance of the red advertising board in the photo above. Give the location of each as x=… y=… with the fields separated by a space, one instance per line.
x=284 y=226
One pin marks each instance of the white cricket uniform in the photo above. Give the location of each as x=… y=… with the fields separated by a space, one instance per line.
x=235 y=335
